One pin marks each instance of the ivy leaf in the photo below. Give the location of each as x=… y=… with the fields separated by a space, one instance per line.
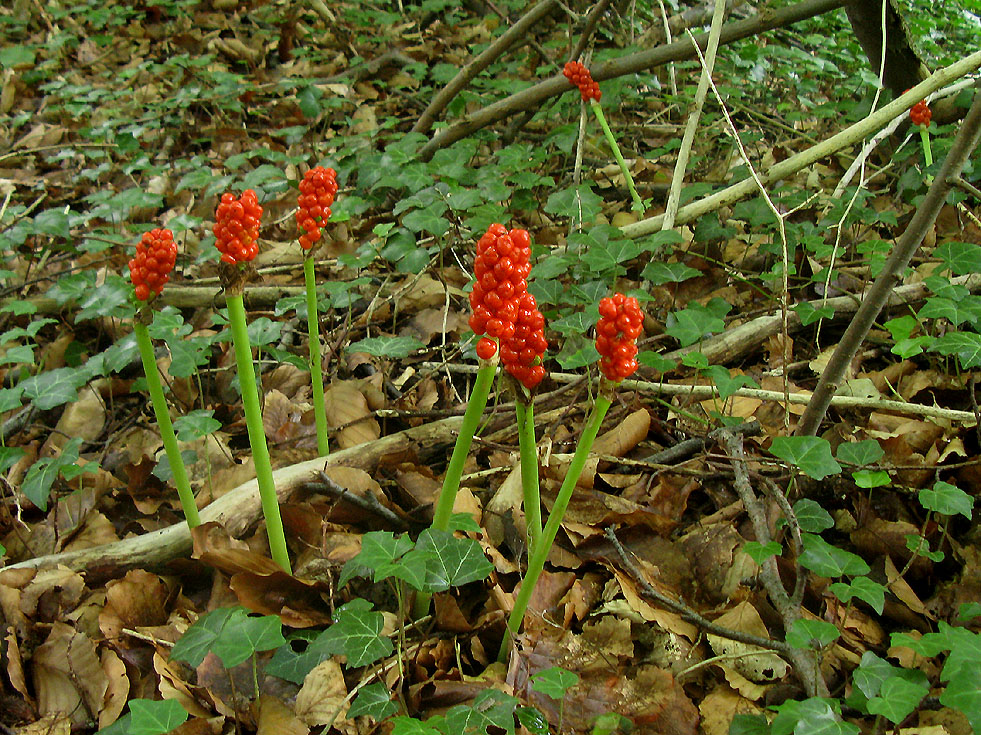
x=356 y=634
x=761 y=552
x=554 y=682
x=814 y=634
x=296 y=658
x=871 y=673
x=428 y=219
x=897 y=698
x=871 y=478
x=196 y=424
x=456 y=561
x=727 y=383
x=53 y=388
x=391 y=347
x=826 y=560
x=375 y=701
x=155 y=717
x=579 y=203
x=197 y=640
x=411 y=726
x=868 y=451
x=965 y=345
x=380 y=552
x=808 y=314
x=810 y=454
x=491 y=709
x=947 y=500
x=865 y=589
x=242 y=636
x=43 y=473
x=960 y=257
x=692 y=324
x=811 y=517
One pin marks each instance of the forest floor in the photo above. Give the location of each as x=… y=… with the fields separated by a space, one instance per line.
x=122 y=117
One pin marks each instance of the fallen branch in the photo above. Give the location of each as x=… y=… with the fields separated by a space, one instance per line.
x=892 y=271
x=239 y=509
x=682 y=50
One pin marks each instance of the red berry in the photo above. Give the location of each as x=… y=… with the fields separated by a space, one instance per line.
x=155 y=257
x=317 y=190
x=580 y=77
x=618 y=327
x=486 y=348
x=237 y=227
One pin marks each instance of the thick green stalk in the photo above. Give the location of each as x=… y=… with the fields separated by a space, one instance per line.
x=454 y=470
x=257 y=437
x=529 y=470
x=925 y=139
x=539 y=553
x=159 y=403
x=316 y=362
x=598 y=112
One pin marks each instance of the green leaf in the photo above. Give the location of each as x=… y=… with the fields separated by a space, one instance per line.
x=813 y=716
x=53 y=388
x=243 y=636
x=155 y=717
x=660 y=273
x=308 y=100
x=727 y=383
x=391 y=347
x=965 y=345
x=356 y=634
x=810 y=454
x=10 y=398
x=196 y=424
x=897 y=698
x=456 y=561
x=811 y=517
x=814 y=634
x=960 y=257
x=264 y=331
x=42 y=474
x=298 y=656
x=868 y=451
x=947 y=499
x=759 y=552
x=749 y=725
x=53 y=222
x=554 y=682
x=14 y=56
x=655 y=361
x=403 y=725
x=809 y=315
x=197 y=640
x=921 y=547
x=579 y=203
x=428 y=219
x=864 y=589
x=9 y=456
x=963 y=692
x=374 y=701
x=826 y=560
x=380 y=552
x=871 y=674
x=534 y=722
x=965 y=612
x=871 y=478
x=491 y=709
x=693 y=324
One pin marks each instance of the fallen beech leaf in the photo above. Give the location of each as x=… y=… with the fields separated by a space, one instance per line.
x=117 y=692
x=347 y=407
x=719 y=708
x=625 y=436
x=321 y=698
x=275 y=718
x=68 y=676
x=137 y=600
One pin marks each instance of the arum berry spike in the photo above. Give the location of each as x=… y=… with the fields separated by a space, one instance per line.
x=579 y=75
x=236 y=232
x=616 y=332
x=317 y=191
x=149 y=271
x=920 y=115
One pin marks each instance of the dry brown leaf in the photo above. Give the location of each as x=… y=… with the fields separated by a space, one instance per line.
x=275 y=718
x=346 y=406
x=321 y=698
x=84 y=418
x=719 y=708
x=68 y=676
x=117 y=692
x=625 y=436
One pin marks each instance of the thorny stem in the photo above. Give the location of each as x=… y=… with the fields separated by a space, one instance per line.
x=159 y=403
x=454 y=470
x=257 y=437
x=598 y=112
x=316 y=362
x=539 y=552
x=525 y=414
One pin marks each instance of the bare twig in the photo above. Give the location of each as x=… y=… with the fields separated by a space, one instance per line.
x=366 y=502
x=481 y=62
x=591 y=20
x=892 y=271
x=650 y=592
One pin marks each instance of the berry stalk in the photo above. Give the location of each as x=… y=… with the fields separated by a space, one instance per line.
x=316 y=360
x=159 y=403
x=454 y=470
x=525 y=414
x=594 y=105
x=539 y=553
x=257 y=436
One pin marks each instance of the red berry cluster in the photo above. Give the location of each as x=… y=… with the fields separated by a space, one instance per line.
x=237 y=227
x=579 y=75
x=317 y=191
x=502 y=307
x=920 y=114
x=617 y=330
x=150 y=269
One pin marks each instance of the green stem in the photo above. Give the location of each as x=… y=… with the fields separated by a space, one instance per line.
x=454 y=470
x=159 y=404
x=540 y=552
x=598 y=112
x=925 y=139
x=525 y=413
x=316 y=362
x=257 y=437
